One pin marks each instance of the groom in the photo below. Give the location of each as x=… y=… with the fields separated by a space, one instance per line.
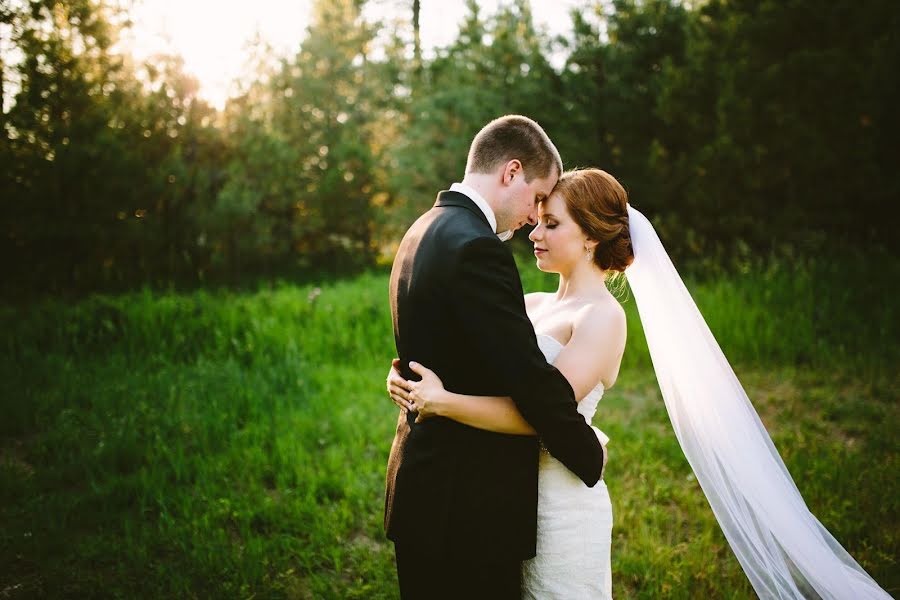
x=461 y=503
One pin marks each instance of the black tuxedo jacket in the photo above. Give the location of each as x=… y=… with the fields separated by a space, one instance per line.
x=458 y=308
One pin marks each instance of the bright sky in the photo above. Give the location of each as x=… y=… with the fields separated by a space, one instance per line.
x=211 y=35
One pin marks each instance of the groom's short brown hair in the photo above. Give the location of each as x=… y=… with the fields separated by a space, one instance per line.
x=514 y=137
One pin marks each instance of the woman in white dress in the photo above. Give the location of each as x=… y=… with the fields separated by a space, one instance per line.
x=582 y=234
x=587 y=231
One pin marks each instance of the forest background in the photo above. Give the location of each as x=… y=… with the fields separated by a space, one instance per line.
x=746 y=129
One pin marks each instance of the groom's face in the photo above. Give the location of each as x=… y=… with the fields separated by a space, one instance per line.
x=522 y=199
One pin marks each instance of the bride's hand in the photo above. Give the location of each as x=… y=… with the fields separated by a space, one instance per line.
x=426 y=395
x=398 y=387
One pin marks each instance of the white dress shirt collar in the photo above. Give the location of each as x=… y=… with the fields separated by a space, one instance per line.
x=481 y=203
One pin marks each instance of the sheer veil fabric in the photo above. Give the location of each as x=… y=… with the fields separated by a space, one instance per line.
x=784 y=550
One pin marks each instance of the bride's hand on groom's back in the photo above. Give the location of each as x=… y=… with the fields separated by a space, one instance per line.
x=422 y=397
x=426 y=394
x=398 y=387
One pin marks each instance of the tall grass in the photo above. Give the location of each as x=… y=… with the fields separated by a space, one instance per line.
x=199 y=445
x=233 y=445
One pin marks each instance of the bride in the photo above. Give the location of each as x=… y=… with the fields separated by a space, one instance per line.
x=586 y=232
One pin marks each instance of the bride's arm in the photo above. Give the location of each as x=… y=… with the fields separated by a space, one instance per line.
x=491 y=413
x=429 y=398
x=581 y=362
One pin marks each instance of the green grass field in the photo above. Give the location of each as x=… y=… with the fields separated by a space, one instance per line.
x=232 y=445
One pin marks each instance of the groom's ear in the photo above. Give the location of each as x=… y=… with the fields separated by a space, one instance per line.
x=511 y=170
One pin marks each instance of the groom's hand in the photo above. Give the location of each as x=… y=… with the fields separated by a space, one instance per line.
x=604 y=441
x=605 y=459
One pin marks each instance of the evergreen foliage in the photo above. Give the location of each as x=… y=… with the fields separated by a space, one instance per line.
x=744 y=129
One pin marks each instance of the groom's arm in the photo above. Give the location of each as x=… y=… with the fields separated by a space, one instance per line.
x=489 y=305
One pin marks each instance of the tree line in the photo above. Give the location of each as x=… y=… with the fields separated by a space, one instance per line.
x=744 y=128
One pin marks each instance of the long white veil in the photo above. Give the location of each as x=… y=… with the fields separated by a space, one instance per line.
x=782 y=547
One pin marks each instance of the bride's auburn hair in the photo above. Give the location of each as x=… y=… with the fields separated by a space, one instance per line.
x=599 y=205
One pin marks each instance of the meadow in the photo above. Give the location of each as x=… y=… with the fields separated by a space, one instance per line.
x=221 y=444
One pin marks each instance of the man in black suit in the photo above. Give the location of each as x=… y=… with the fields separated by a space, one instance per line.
x=460 y=502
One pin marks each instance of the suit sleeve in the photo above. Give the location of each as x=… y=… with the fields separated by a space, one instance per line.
x=489 y=304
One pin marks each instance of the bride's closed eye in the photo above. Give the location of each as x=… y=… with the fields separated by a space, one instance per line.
x=548 y=223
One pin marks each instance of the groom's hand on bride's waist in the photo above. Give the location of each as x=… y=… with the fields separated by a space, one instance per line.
x=605 y=459
x=604 y=441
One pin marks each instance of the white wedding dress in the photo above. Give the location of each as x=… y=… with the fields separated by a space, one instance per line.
x=574 y=527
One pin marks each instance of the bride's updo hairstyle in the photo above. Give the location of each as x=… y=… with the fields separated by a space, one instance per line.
x=598 y=204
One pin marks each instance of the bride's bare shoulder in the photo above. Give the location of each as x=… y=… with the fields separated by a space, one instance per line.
x=535 y=299
x=604 y=314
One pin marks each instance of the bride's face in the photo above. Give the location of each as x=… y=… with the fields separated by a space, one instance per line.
x=559 y=243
